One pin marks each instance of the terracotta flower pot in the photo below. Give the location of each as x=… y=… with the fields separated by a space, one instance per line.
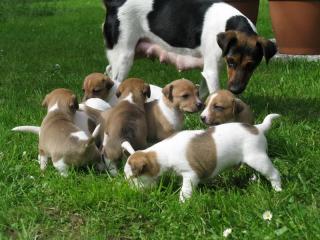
x=249 y=8
x=296 y=24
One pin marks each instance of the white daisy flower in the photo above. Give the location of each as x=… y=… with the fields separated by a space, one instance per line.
x=24 y=153
x=267 y=215
x=227 y=232
x=253 y=178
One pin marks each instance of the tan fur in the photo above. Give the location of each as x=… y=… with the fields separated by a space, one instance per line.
x=97 y=85
x=144 y=163
x=55 y=140
x=201 y=154
x=159 y=127
x=126 y=121
x=232 y=109
x=252 y=129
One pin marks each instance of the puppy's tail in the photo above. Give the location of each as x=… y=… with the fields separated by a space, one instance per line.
x=266 y=124
x=32 y=129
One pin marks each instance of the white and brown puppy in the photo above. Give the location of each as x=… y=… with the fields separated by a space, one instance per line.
x=223 y=107
x=166 y=115
x=61 y=140
x=125 y=122
x=98 y=85
x=200 y=154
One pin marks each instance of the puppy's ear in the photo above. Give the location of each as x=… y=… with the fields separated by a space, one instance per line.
x=238 y=106
x=146 y=90
x=45 y=101
x=226 y=40
x=74 y=105
x=108 y=82
x=269 y=48
x=139 y=167
x=167 y=91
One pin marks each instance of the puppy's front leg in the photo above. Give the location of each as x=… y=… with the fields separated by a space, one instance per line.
x=188 y=182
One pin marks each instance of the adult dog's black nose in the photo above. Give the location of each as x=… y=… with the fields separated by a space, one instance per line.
x=235 y=89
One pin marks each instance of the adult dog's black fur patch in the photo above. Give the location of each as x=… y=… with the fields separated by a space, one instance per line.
x=241 y=24
x=111 y=23
x=179 y=22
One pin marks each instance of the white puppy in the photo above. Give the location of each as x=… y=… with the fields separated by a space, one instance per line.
x=199 y=154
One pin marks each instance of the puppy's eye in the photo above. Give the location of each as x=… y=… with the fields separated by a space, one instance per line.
x=82 y=89
x=218 y=108
x=185 y=96
x=231 y=63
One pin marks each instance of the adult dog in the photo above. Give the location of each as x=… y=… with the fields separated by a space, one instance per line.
x=191 y=29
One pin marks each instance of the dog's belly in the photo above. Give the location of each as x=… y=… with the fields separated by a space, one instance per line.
x=179 y=23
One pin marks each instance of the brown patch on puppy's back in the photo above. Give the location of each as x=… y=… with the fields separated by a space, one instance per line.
x=252 y=129
x=201 y=153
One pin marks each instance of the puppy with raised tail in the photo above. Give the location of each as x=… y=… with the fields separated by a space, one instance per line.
x=166 y=115
x=200 y=154
x=223 y=107
x=61 y=140
x=98 y=85
x=125 y=122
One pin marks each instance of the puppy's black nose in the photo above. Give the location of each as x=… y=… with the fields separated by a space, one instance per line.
x=203 y=119
x=200 y=105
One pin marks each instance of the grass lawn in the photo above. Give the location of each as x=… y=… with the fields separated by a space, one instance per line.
x=50 y=44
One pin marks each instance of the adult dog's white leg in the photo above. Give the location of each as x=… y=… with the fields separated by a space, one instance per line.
x=124 y=63
x=211 y=71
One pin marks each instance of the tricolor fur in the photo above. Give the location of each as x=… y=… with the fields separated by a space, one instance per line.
x=207 y=30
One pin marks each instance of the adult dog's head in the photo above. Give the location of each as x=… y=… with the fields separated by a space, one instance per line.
x=243 y=53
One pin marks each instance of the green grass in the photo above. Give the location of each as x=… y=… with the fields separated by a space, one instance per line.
x=50 y=44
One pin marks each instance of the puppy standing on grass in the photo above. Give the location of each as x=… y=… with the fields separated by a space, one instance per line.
x=166 y=115
x=61 y=140
x=223 y=107
x=199 y=154
x=125 y=122
x=98 y=85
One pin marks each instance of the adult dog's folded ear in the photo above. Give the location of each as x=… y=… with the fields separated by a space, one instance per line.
x=269 y=48
x=226 y=40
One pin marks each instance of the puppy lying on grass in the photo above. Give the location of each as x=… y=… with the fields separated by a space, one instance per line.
x=61 y=140
x=200 y=154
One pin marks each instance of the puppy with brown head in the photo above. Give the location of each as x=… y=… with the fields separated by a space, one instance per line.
x=61 y=140
x=243 y=52
x=98 y=85
x=166 y=115
x=125 y=122
x=223 y=107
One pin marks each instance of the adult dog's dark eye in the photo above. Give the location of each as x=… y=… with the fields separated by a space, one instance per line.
x=231 y=63
x=218 y=108
x=82 y=89
x=250 y=65
x=185 y=96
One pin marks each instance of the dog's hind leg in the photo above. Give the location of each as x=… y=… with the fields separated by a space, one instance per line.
x=263 y=164
x=188 y=182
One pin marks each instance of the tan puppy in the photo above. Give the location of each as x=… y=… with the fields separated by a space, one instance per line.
x=61 y=139
x=125 y=122
x=166 y=115
x=98 y=85
x=223 y=107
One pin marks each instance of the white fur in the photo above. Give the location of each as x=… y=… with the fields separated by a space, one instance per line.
x=61 y=167
x=43 y=160
x=98 y=104
x=80 y=119
x=172 y=115
x=234 y=145
x=205 y=113
x=127 y=146
x=134 y=26
x=129 y=98
x=96 y=131
x=81 y=135
x=53 y=108
x=32 y=129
